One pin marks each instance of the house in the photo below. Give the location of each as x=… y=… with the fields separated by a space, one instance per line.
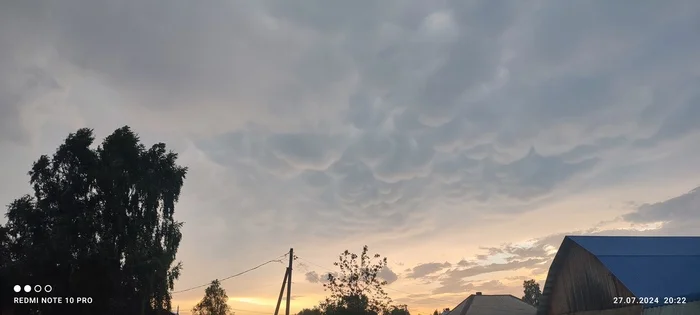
x=614 y=275
x=479 y=304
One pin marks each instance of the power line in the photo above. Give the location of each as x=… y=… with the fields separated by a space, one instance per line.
x=236 y=275
x=388 y=288
x=248 y=311
x=312 y=263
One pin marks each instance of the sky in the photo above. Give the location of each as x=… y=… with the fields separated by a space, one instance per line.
x=460 y=139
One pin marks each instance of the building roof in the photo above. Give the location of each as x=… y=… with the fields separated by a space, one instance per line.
x=493 y=305
x=658 y=266
x=650 y=266
x=639 y=246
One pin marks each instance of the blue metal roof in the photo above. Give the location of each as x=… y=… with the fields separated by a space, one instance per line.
x=650 y=266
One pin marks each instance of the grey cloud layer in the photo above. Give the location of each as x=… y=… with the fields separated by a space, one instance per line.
x=368 y=117
x=507 y=109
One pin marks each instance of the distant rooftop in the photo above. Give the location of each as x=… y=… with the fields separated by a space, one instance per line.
x=493 y=305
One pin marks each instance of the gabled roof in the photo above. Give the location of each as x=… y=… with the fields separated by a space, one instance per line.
x=493 y=305
x=649 y=266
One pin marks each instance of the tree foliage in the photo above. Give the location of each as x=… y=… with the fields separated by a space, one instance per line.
x=532 y=292
x=311 y=311
x=357 y=289
x=398 y=310
x=99 y=224
x=214 y=301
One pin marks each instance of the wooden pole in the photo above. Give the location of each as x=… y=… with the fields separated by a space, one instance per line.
x=289 y=279
x=284 y=283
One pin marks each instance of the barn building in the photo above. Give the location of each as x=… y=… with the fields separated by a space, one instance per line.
x=613 y=275
x=479 y=304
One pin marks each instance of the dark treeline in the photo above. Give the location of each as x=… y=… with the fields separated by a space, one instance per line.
x=99 y=224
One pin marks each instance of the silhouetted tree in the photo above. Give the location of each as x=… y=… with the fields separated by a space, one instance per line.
x=357 y=289
x=214 y=301
x=532 y=292
x=436 y=312
x=99 y=224
x=398 y=310
x=310 y=311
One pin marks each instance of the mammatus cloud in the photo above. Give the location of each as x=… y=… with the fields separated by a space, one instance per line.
x=368 y=123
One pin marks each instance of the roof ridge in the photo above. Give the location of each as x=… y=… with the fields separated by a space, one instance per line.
x=468 y=304
x=517 y=298
x=460 y=303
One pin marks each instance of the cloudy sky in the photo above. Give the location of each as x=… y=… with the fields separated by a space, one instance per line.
x=460 y=139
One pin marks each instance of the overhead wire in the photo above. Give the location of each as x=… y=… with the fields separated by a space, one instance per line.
x=277 y=259
x=249 y=311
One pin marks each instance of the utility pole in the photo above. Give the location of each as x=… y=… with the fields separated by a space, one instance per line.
x=284 y=283
x=288 y=282
x=289 y=279
x=178 y=310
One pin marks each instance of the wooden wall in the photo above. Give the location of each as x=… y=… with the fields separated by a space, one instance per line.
x=584 y=284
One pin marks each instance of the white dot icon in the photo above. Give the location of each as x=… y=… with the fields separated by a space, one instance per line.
x=18 y=288
x=27 y=288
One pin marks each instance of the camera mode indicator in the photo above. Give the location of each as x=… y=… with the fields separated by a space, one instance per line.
x=45 y=299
